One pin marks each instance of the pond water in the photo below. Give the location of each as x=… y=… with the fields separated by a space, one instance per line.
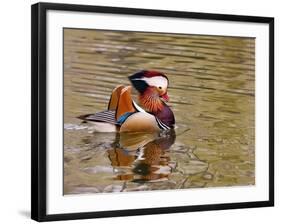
x=212 y=94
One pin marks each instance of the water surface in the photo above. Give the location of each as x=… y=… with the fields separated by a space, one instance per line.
x=211 y=91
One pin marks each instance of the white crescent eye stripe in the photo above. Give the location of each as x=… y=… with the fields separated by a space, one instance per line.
x=155 y=81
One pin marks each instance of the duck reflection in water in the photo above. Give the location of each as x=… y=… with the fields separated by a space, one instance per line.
x=142 y=157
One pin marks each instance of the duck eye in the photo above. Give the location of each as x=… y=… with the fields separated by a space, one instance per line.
x=159 y=87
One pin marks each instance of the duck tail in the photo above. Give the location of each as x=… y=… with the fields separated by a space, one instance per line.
x=107 y=116
x=120 y=107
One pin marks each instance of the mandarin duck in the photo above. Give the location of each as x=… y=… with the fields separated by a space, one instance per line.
x=125 y=115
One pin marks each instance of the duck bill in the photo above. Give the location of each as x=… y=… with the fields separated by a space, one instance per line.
x=165 y=97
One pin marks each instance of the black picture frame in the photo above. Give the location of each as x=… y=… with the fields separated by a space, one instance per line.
x=39 y=115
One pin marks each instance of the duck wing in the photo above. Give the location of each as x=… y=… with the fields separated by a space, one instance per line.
x=114 y=98
x=120 y=107
x=125 y=103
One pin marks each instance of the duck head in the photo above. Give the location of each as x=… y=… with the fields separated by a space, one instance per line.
x=152 y=87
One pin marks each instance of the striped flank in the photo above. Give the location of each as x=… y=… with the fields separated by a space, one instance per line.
x=161 y=125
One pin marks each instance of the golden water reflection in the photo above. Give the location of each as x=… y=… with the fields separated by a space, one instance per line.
x=136 y=161
x=141 y=161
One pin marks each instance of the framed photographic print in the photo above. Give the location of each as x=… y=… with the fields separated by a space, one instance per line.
x=139 y=111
